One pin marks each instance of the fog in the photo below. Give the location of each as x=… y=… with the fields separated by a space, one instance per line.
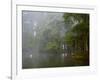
x=44 y=39
x=33 y=25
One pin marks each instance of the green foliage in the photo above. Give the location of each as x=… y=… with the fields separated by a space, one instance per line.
x=79 y=17
x=81 y=28
x=69 y=38
x=51 y=41
x=52 y=47
x=78 y=35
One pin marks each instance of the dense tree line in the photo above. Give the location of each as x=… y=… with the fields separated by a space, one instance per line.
x=74 y=42
x=78 y=35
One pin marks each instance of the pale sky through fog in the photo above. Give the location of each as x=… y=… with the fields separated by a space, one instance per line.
x=32 y=20
x=33 y=25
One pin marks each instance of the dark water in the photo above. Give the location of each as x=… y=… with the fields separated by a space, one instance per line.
x=43 y=60
x=46 y=60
